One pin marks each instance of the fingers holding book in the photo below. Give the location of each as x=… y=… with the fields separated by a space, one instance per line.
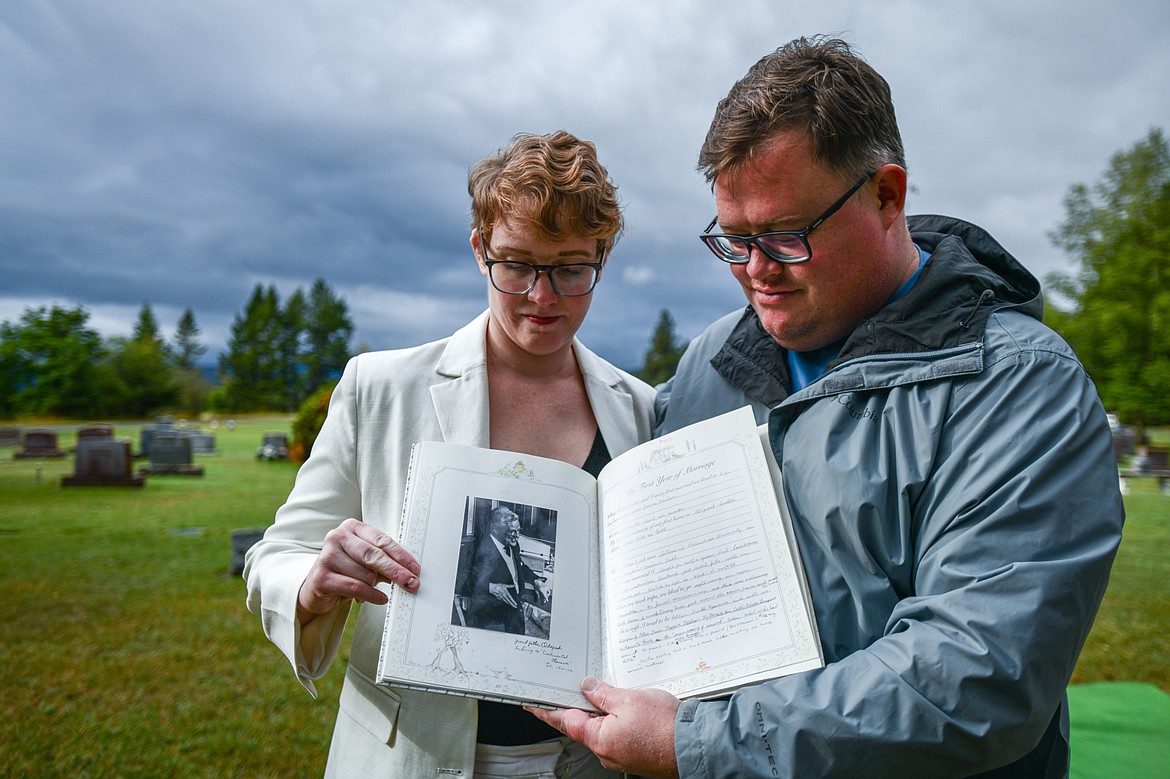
x=634 y=731
x=354 y=559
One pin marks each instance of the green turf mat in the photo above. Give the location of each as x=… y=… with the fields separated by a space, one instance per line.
x=1119 y=729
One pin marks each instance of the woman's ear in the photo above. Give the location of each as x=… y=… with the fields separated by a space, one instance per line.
x=477 y=250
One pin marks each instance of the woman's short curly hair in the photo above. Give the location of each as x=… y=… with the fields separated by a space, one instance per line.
x=553 y=182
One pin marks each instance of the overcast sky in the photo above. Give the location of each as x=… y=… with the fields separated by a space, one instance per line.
x=180 y=153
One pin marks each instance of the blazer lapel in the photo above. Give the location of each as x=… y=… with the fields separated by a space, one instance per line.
x=460 y=392
x=612 y=406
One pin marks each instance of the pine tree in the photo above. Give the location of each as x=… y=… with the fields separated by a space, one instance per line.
x=187 y=347
x=146 y=328
x=194 y=388
x=143 y=364
x=664 y=353
x=293 y=321
x=252 y=368
x=328 y=330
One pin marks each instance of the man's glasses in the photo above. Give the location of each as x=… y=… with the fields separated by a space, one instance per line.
x=519 y=278
x=787 y=246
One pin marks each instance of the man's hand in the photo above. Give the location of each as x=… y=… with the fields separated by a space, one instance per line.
x=354 y=558
x=501 y=591
x=635 y=734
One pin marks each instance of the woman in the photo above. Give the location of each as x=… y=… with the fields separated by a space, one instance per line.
x=544 y=219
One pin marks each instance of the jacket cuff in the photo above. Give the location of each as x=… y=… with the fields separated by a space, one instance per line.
x=688 y=745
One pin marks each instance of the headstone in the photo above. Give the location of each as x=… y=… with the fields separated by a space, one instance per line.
x=146 y=437
x=164 y=425
x=102 y=462
x=1124 y=441
x=201 y=442
x=242 y=541
x=9 y=436
x=170 y=455
x=95 y=431
x=275 y=447
x=39 y=443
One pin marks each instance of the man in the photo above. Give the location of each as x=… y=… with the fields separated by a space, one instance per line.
x=947 y=463
x=493 y=578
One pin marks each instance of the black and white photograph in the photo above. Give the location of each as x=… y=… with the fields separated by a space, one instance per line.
x=505 y=576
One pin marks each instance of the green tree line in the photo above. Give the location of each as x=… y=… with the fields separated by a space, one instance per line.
x=54 y=364
x=1114 y=308
x=280 y=354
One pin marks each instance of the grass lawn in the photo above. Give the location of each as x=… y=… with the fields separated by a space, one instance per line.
x=1130 y=640
x=126 y=650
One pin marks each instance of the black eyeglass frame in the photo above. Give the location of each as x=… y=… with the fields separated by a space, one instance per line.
x=711 y=239
x=548 y=271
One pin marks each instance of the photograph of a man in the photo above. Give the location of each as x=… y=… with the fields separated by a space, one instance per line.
x=495 y=588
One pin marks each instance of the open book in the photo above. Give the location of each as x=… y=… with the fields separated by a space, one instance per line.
x=675 y=569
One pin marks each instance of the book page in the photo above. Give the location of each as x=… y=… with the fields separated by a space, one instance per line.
x=456 y=634
x=701 y=590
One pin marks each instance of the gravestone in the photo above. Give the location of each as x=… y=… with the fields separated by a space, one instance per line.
x=102 y=461
x=275 y=447
x=146 y=437
x=242 y=541
x=201 y=442
x=95 y=431
x=162 y=426
x=170 y=455
x=39 y=443
x=9 y=436
x=1124 y=441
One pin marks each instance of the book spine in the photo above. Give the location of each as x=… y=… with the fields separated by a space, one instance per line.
x=467 y=694
x=406 y=493
x=398 y=537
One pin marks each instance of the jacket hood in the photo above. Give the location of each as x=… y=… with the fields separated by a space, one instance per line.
x=969 y=276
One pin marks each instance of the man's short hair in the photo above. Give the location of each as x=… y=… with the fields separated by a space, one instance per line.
x=553 y=183
x=501 y=516
x=817 y=86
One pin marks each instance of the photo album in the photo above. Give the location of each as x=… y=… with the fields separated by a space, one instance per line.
x=676 y=568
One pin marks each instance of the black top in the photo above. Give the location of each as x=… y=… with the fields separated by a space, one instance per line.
x=506 y=724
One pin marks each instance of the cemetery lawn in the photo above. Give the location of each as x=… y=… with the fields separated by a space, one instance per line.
x=125 y=646
x=126 y=649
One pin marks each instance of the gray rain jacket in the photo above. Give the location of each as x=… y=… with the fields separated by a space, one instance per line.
x=955 y=499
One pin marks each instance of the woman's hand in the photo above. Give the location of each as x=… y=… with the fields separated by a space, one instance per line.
x=353 y=560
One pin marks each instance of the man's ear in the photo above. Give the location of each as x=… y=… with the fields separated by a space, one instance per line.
x=891 y=191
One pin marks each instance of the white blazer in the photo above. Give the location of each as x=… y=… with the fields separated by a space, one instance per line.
x=384 y=403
